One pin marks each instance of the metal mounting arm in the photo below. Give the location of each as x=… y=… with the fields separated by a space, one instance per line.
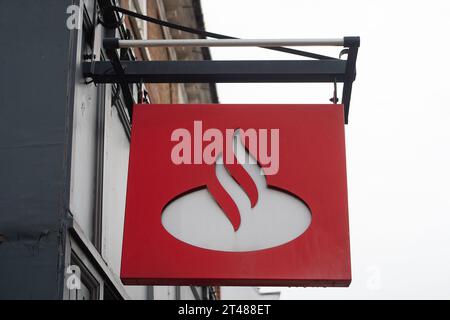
x=312 y=71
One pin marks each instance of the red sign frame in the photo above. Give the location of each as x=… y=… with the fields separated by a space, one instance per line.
x=312 y=166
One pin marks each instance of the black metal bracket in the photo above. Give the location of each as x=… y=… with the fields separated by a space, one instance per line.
x=350 y=72
x=120 y=72
x=323 y=70
x=302 y=71
x=208 y=71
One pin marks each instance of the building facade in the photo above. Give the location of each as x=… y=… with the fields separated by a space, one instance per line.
x=65 y=141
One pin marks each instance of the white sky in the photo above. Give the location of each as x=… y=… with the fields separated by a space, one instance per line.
x=398 y=139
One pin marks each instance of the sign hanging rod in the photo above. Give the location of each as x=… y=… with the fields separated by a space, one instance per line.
x=118 y=43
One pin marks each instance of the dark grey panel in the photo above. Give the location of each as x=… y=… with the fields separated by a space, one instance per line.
x=34 y=145
x=28 y=268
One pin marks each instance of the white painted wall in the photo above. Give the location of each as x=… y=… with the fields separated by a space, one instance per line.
x=247 y=293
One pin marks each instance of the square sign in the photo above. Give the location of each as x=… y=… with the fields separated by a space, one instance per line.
x=237 y=195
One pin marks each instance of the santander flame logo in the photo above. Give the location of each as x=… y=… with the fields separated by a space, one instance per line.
x=237 y=212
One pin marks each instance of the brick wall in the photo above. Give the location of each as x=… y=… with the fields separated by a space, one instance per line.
x=184 y=12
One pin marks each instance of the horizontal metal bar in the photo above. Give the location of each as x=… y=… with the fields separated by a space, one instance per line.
x=231 y=43
x=206 y=34
x=219 y=71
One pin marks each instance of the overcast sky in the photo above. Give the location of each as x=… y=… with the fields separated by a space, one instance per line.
x=398 y=138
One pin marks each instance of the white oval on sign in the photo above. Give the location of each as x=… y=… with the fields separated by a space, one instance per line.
x=277 y=218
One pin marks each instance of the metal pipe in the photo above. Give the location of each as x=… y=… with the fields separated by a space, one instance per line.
x=231 y=43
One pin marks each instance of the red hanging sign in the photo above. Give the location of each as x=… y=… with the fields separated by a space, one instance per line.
x=237 y=195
